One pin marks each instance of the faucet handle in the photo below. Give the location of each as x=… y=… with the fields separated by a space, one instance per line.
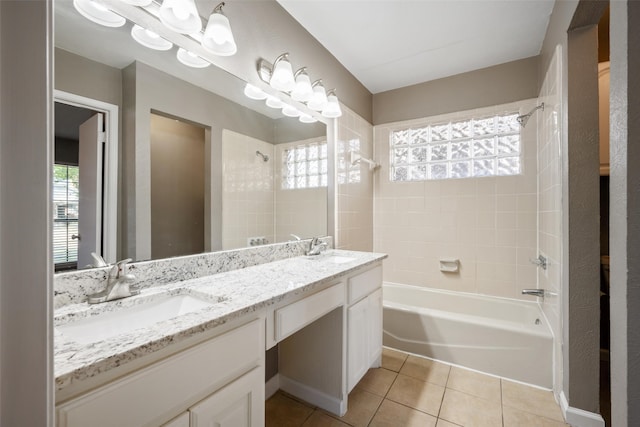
x=119 y=268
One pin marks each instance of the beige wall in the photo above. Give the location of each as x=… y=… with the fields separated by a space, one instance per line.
x=26 y=267
x=177 y=188
x=354 y=185
x=495 y=85
x=625 y=205
x=489 y=224
x=550 y=206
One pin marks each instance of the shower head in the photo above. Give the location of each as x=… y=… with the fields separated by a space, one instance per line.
x=265 y=158
x=523 y=119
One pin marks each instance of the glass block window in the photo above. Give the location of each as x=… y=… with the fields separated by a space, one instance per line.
x=65 y=214
x=304 y=166
x=476 y=147
x=348 y=173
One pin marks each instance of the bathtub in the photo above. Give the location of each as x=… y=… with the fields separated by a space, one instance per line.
x=503 y=337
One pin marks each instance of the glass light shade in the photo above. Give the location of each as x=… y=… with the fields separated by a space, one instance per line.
x=180 y=16
x=96 y=11
x=290 y=111
x=302 y=90
x=218 y=38
x=282 y=75
x=318 y=99
x=307 y=118
x=138 y=2
x=332 y=108
x=190 y=59
x=254 y=92
x=274 y=102
x=148 y=38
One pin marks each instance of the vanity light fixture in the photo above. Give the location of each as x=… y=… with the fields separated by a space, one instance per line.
x=332 y=107
x=274 y=102
x=148 y=38
x=319 y=98
x=98 y=12
x=299 y=88
x=218 y=38
x=307 y=118
x=282 y=74
x=190 y=59
x=181 y=16
x=302 y=90
x=254 y=92
x=290 y=111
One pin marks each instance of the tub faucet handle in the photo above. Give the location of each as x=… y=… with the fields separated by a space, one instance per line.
x=541 y=261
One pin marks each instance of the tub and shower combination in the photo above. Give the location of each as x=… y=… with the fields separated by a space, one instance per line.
x=504 y=337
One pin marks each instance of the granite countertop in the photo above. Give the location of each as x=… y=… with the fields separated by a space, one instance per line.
x=233 y=293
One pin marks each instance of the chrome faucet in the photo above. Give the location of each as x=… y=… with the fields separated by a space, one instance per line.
x=316 y=247
x=536 y=292
x=118 y=284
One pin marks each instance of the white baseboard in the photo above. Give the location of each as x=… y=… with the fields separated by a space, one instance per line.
x=272 y=386
x=313 y=396
x=579 y=417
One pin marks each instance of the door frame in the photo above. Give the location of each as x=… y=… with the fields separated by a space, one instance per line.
x=110 y=172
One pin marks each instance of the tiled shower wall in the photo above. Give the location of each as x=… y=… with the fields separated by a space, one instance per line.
x=550 y=203
x=248 y=197
x=489 y=223
x=354 y=186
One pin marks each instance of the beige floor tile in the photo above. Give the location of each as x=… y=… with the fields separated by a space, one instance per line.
x=426 y=370
x=417 y=394
x=377 y=381
x=320 y=419
x=393 y=359
x=467 y=410
x=443 y=423
x=530 y=399
x=282 y=411
x=516 y=418
x=474 y=383
x=362 y=406
x=393 y=414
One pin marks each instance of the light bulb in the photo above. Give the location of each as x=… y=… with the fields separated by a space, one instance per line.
x=332 y=107
x=180 y=16
x=302 y=90
x=148 y=38
x=218 y=38
x=254 y=92
x=319 y=98
x=282 y=74
x=96 y=11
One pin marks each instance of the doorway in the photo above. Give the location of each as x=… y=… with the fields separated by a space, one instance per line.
x=85 y=182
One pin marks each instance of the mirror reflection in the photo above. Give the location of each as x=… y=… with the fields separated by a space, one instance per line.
x=154 y=159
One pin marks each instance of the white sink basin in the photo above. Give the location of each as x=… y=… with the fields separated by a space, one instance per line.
x=110 y=324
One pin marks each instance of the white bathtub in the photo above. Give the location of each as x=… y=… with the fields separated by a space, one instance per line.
x=508 y=338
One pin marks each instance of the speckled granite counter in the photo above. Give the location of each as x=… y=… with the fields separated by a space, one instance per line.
x=242 y=291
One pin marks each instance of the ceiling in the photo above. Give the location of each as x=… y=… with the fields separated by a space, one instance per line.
x=388 y=44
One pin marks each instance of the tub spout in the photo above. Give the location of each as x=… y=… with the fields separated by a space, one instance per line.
x=537 y=292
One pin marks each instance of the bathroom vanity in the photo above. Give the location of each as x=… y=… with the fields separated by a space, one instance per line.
x=206 y=364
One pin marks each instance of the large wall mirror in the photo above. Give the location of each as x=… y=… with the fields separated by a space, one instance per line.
x=154 y=159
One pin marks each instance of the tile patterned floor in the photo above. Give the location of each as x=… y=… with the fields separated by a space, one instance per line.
x=410 y=391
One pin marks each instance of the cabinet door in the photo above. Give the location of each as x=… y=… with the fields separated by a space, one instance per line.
x=238 y=404
x=375 y=327
x=358 y=342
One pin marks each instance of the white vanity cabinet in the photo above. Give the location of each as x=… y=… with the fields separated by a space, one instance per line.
x=217 y=382
x=364 y=324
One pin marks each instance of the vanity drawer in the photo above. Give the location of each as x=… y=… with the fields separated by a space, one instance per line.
x=297 y=315
x=166 y=388
x=364 y=283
